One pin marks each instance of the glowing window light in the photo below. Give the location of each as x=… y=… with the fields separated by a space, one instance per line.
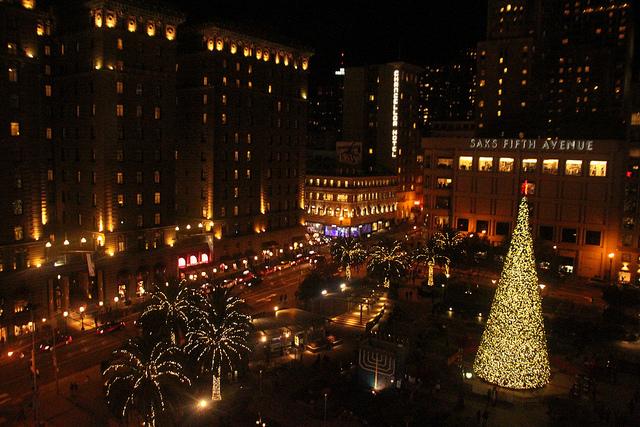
x=151 y=29
x=305 y=63
x=28 y=4
x=182 y=262
x=170 y=32
x=210 y=44
x=219 y=44
x=40 y=29
x=204 y=258
x=258 y=53
x=193 y=260
x=97 y=19
x=132 y=25
x=265 y=55
x=246 y=51
x=233 y=48
x=111 y=20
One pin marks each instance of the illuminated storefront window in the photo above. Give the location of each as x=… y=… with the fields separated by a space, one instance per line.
x=505 y=164
x=529 y=165
x=485 y=164
x=445 y=163
x=597 y=168
x=550 y=166
x=465 y=162
x=573 y=167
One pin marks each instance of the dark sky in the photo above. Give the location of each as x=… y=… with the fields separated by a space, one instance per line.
x=422 y=32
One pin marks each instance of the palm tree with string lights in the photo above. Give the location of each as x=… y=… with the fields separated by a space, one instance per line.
x=430 y=255
x=388 y=260
x=141 y=378
x=347 y=251
x=170 y=309
x=448 y=243
x=217 y=338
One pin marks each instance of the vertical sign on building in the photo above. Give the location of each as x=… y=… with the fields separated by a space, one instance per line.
x=394 y=113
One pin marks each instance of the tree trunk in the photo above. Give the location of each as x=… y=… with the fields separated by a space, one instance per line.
x=215 y=386
x=348 y=272
x=430 y=279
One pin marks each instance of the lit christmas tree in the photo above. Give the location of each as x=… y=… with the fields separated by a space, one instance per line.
x=513 y=350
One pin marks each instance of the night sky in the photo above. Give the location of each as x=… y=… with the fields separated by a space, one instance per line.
x=421 y=32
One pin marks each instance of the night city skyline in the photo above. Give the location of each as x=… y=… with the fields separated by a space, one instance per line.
x=319 y=214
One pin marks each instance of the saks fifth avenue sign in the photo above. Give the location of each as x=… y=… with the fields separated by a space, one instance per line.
x=531 y=144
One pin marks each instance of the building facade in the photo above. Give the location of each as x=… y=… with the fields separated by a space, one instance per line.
x=349 y=206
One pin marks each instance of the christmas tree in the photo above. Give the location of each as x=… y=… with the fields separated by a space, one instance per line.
x=513 y=350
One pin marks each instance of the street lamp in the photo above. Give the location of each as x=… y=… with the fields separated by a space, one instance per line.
x=65 y=314
x=611 y=255
x=116 y=299
x=81 y=309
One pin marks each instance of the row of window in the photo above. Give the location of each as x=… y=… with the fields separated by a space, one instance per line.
x=328 y=182
x=350 y=197
x=348 y=213
x=120 y=199
x=507 y=164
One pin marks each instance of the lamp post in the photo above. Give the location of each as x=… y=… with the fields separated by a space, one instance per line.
x=116 y=299
x=81 y=309
x=65 y=314
x=611 y=255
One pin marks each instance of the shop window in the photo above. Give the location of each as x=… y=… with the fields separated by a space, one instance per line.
x=441 y=221
x=485 y=164
x=505 y=164
x=529 y=165
x=545 y=232
x=465 y=162
x=462 y=224
x=592 y=238
x=550 y=166
x=444 y=182
x=597 y=168
x=482 y=226
x=573 y=167
x=445 y=163
x=569 y=235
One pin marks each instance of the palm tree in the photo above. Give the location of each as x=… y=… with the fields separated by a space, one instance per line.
x=448 y=242
x=217 y=338
x=430 y=254
x=388 y=260
x=140 y=376
x=347 y=251
x=170 y=309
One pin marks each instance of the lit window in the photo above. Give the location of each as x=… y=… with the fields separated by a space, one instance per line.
x=47 y=90
x=529 y=165
x=156 y=177
x=120 y=44
x=139 y=199
x=236 y=192
x=151 y=29
x=205 y=99
x=156 y=113
x=17 y=233
x=97 y=19
x=170 y=32
x=465 y=162
x=505 y=164
x=119 y=178
x=550 y=166
x=219 y=44
x=120 y=200
x=111 y=20
x=485 y=164
x=597 y=168
x=131 y=25
x=156 y=198
x=205 y=80
x=573 y=167
x=119 y=110
x=235 y=210
x=14 y=128
x=249 y=156
x=223 y=119
x=17 y=207
x=40 y=29
x=13 y=74
x=119 y=87
x=204 y=118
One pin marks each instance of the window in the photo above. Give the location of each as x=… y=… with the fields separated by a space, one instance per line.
x=573 y=167
x=463 y=224
x=545 y=232
x=529 y=165
x=156 y=113
x=13 y=74
x=119 y=178
x=465 y=162
x=530 y=187
x=48 y=133
x=156 y=218
x=139 y=199
x=139 y=89
x=248 y=173
x=14 y=128
x=482 y=226
x=550 y=166
x=120 y=200
x=205 y=99
x=505 y=164
x=569 y=235
x=119 y=110
x=592 y=238
x=120 y=44
x=444 y=182
x=443 y=202
x=441 y=221
x=205 y=80
x=248 y=155
x=17 y=207
x=235 y=210
x=485 y=164
x=17 y=233
x=156 y=177
x=597 y=168
x=502 y=228
x=223 y=211
x=445 y=162
x=140 y=221
x=156 y=198
x=49 y=175
x=236 y=192
x=223 y=119
x=119 y=87
x=138 y=177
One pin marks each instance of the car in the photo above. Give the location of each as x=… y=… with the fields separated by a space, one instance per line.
x=61 y=340
x=111 y=326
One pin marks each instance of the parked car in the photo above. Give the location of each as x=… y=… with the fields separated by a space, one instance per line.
x=111 y=326
x=61 y=340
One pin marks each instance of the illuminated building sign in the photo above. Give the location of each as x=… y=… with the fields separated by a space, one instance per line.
x=394 y=113
x=532 y=144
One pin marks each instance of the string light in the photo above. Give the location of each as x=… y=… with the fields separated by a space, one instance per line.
x=390 y=261
x=347 y=251
x=513 y=351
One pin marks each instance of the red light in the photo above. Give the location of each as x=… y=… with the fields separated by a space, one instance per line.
x=629 y=174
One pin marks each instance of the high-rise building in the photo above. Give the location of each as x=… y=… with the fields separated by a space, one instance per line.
x=381 y=110
x=447 y=91
x=555 y=69
x=243 y=103
x=326 y=90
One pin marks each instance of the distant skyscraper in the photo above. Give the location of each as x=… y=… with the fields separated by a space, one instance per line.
x=325 y=106
x=555 y=69
x=447 y=91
